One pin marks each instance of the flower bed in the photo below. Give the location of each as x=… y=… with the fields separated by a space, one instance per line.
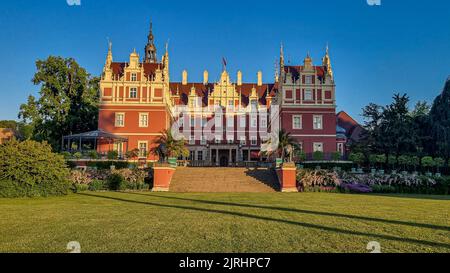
x=308 y=180
x=95 y=180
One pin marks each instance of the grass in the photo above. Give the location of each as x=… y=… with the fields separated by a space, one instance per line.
x=269 y=222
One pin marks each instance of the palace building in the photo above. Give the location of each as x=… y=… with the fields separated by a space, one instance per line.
x=224 y=122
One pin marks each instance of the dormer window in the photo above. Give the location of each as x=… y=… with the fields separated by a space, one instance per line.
x=133 y=77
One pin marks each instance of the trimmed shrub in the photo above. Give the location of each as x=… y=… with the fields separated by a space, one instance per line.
x=33 y=168
x=93 y=154
x=318 y=156
x=80 y=187
x=98 y=185
x=427 y=162
x=336 y=156
x=66 y=155
x=112 y=155
x=116 y=182
x=77 y=155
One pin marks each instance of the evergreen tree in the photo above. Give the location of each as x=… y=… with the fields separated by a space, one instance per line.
x=440 y=127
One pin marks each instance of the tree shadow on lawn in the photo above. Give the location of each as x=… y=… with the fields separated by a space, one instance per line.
x=251 y=216
x=364 y=218
x=413 y=196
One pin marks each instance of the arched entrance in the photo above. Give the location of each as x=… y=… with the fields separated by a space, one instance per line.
x=224 y=161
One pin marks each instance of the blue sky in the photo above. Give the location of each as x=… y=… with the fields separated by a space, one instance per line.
x=400 y=46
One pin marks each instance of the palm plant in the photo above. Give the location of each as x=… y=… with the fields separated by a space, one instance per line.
x=286 y=145
x=167 y=146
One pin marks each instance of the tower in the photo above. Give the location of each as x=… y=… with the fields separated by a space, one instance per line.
x=150 y=48
x=326 y=62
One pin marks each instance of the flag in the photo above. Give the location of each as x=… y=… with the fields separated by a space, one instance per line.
x=224 y=61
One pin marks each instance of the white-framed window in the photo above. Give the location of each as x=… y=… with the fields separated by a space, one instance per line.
x=243 y=140
x=340 y=148
x=191 y=140
x=318 y=122
x=191 y=155
x=204 y=121
x=297 y=122
x=254 y=103
x=300 y=146
x=133 y=92
x=308 y=94
x=253 y=140
x=181 y=120
x=133 y=77
x=231 y=103
x=230 y=121
x=143 y=120
x=203 y=141
x=200 y=155
x=308 y=79
x=218 y=120
x=120 y=120
x=218 y=139
x=317 y=147
x=143 y=145
x=230 y=139
x=254 y=122
x=192 y=122
x=242 y=121
x=263 y=122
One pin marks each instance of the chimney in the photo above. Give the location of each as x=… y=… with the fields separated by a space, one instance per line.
x=184 y=78
x=260 y=82
x=205 y=77
x=239 y=78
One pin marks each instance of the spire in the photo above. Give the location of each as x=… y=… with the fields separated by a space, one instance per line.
x=150 y=48
x=326 y=62
x=109 y=58
x=277 y=74
x=281 y=56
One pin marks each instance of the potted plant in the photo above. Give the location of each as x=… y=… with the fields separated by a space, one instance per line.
x=168 y=148
x=427 y=162
x=336 y=156
x=392 y=160
x=403 y=162
x=414 y=163
x=439 y=162
x=287 y=145
x=373 y=162
x=381 y=159
x=301 y=157
x=358 y=159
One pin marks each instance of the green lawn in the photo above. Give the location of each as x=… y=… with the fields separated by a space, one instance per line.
x=269 y=222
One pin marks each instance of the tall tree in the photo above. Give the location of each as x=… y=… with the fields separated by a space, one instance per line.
x=67 y=103
x=396 y=126
x=389 y=129
x=422 y=126
x=440 y=117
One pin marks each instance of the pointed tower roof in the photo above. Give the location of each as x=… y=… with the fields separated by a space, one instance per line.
x=150 y=48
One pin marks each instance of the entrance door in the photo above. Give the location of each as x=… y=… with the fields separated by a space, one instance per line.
x=224 y=161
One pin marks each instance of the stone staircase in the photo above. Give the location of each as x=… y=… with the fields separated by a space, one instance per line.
x=224 y=180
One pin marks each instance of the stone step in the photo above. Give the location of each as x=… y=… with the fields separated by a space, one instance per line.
x=224 y=180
